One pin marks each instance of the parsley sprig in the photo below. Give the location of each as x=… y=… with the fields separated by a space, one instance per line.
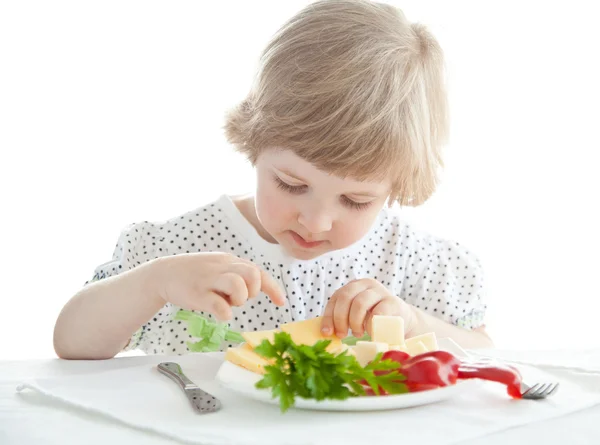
x=313 y=373
x=211 y=333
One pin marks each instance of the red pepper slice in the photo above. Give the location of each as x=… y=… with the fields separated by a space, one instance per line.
x=495 y=372
x=425 y=371
x=397 y=356
x=428 y=369
x=436 y=369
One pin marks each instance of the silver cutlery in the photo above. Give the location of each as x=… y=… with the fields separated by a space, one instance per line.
x=539 y=390
x=202 y=401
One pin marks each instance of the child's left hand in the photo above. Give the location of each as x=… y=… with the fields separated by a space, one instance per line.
x=352 y=306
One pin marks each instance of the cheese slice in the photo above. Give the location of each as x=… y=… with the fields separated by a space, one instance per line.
x=388 y=329
x=247 y=359
x=308 y=332
x=417 y=348
x=429 y=340
x=255 y=338
x=365 y=351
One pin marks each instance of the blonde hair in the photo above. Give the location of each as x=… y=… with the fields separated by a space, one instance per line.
x=356 y=90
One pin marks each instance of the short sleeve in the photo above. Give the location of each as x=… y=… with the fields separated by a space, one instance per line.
x=447 y=281
x=136 y=244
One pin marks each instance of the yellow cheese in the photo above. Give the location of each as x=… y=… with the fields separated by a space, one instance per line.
x=402 y=348
x=417 y=348
x=308 y=332
x=247 y=359
x=365 y=351
x=429 y=340
x=349 y=350
x=255 y=338
x=388 y=329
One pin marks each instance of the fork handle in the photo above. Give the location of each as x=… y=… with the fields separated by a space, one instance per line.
x=174 y=372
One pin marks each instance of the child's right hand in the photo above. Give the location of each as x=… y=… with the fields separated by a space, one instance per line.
x=211 y=282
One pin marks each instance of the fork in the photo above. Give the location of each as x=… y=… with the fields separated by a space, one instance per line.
x=538 y=391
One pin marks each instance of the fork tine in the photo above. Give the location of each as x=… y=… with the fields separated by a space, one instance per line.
x=551 y=390
x=542 y=389
x=532 y=390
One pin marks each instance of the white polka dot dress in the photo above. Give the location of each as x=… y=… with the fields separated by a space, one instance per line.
x=440 y=277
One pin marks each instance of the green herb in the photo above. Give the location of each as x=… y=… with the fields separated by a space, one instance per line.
x=313 y=373
x=211 y=333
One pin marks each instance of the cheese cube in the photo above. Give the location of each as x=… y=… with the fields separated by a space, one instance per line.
x=308 y=332
x=339 y=349
x=417 y=348
x=255 y=338
x=402 y=348
x=365 y=351
x=344 y=348
x=429 y=340
x=388 y=329
x=247 y=359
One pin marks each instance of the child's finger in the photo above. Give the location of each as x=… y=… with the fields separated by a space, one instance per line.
x=387 y=306
x=266 y=283
x=270 y=287
x=216 y=305
x=251 y=275
x=341 y=313
x=233 y=286
x=327 y=317
x=361 y=305
x=335 y=316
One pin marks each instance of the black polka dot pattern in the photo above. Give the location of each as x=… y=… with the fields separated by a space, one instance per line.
x=438 y=276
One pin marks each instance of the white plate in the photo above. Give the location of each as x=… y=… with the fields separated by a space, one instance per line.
x=242 y=382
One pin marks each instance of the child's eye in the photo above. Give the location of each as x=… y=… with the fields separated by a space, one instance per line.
x=295 y=189
x=355 y=205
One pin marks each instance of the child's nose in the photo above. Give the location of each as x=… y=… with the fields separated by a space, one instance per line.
x=316 y=221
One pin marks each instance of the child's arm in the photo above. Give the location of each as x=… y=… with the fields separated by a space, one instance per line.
x=423 y=323
x=100 y=319
x=353 y=305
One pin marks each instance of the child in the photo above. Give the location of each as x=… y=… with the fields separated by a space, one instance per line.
x=346 y=117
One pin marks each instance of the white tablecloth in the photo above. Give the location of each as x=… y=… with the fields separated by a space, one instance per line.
x=30 y=418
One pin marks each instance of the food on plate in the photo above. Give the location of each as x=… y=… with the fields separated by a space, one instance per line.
x=308 y=332
x=429 y=340
x=402 y=348
x=300 y=370
x=388 y=329
x=430 y=370
x=255 y=338
x=417 y=348
x=299 y=361
x=366 y=351
x=245 y=357
x=496 y=372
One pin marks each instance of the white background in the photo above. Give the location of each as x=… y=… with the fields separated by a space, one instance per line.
x=111 y=112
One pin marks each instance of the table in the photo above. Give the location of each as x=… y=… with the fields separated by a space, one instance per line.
x=26 y=420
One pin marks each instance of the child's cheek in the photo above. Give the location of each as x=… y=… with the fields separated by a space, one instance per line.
x=354 y=228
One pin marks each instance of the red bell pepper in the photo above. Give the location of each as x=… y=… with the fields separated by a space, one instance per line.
x=437 y=369
x=495 y=372
x=397 y=356
x=425 y=371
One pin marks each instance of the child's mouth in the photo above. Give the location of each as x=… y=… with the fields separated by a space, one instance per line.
x=303 y=243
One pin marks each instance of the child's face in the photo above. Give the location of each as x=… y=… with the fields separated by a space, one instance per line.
x=310 y=212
